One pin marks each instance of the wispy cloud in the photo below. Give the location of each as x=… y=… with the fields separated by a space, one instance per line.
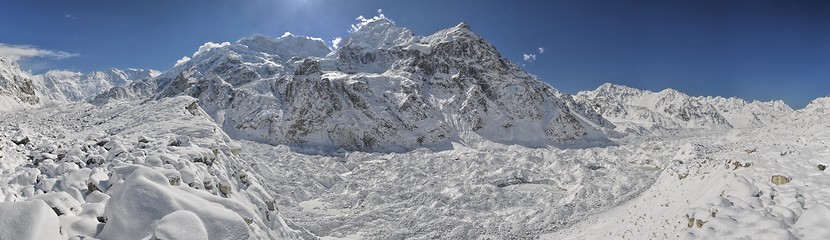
x=17 y=52
x=529 y=57
x=69 y=16
x=208 y=45
x=335 y=43
x=365 y=21
x=182 y=61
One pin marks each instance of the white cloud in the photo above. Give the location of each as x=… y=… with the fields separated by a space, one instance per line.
x=17 y=52
x=316 y=39
x=69 y=16
x=529 y=57
x=335 y=43
x=365 y=21
x=208 y=45
x=541 y=50
x=291 y=35
x=182 y=61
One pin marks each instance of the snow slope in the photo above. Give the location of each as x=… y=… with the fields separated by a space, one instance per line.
x=670 y=109
x=382 y=89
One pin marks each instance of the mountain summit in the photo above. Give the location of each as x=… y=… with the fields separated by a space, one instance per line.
x=383 y=87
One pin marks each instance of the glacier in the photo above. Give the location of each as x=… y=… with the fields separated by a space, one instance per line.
x=391 y=135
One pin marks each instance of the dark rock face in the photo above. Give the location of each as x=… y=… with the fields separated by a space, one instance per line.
x=16 y=84
x=26 y=90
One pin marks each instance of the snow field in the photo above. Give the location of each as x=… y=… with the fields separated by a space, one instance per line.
x=79 y=181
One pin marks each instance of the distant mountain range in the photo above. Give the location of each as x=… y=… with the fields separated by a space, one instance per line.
x=670 y=109
x=383 y=87
x=19 y=88
x=386 y=88
x=75 y=86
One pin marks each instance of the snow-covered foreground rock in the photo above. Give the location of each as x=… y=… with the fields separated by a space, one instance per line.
x=28 y=220
x=160 y=170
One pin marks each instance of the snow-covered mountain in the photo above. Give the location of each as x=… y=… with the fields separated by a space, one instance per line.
x=179 y=142
x=383 y=87
x=19 y=88
x=248 y=59
x=670 y=109
x=62 y=85
x=818 y=109
x=16 y=87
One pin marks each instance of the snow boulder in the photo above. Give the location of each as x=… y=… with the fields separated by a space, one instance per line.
x=28 y=220
x=142 y=204
x=181 y=225
x=62 y=203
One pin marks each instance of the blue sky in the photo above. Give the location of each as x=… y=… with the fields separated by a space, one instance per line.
x=750 y=49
